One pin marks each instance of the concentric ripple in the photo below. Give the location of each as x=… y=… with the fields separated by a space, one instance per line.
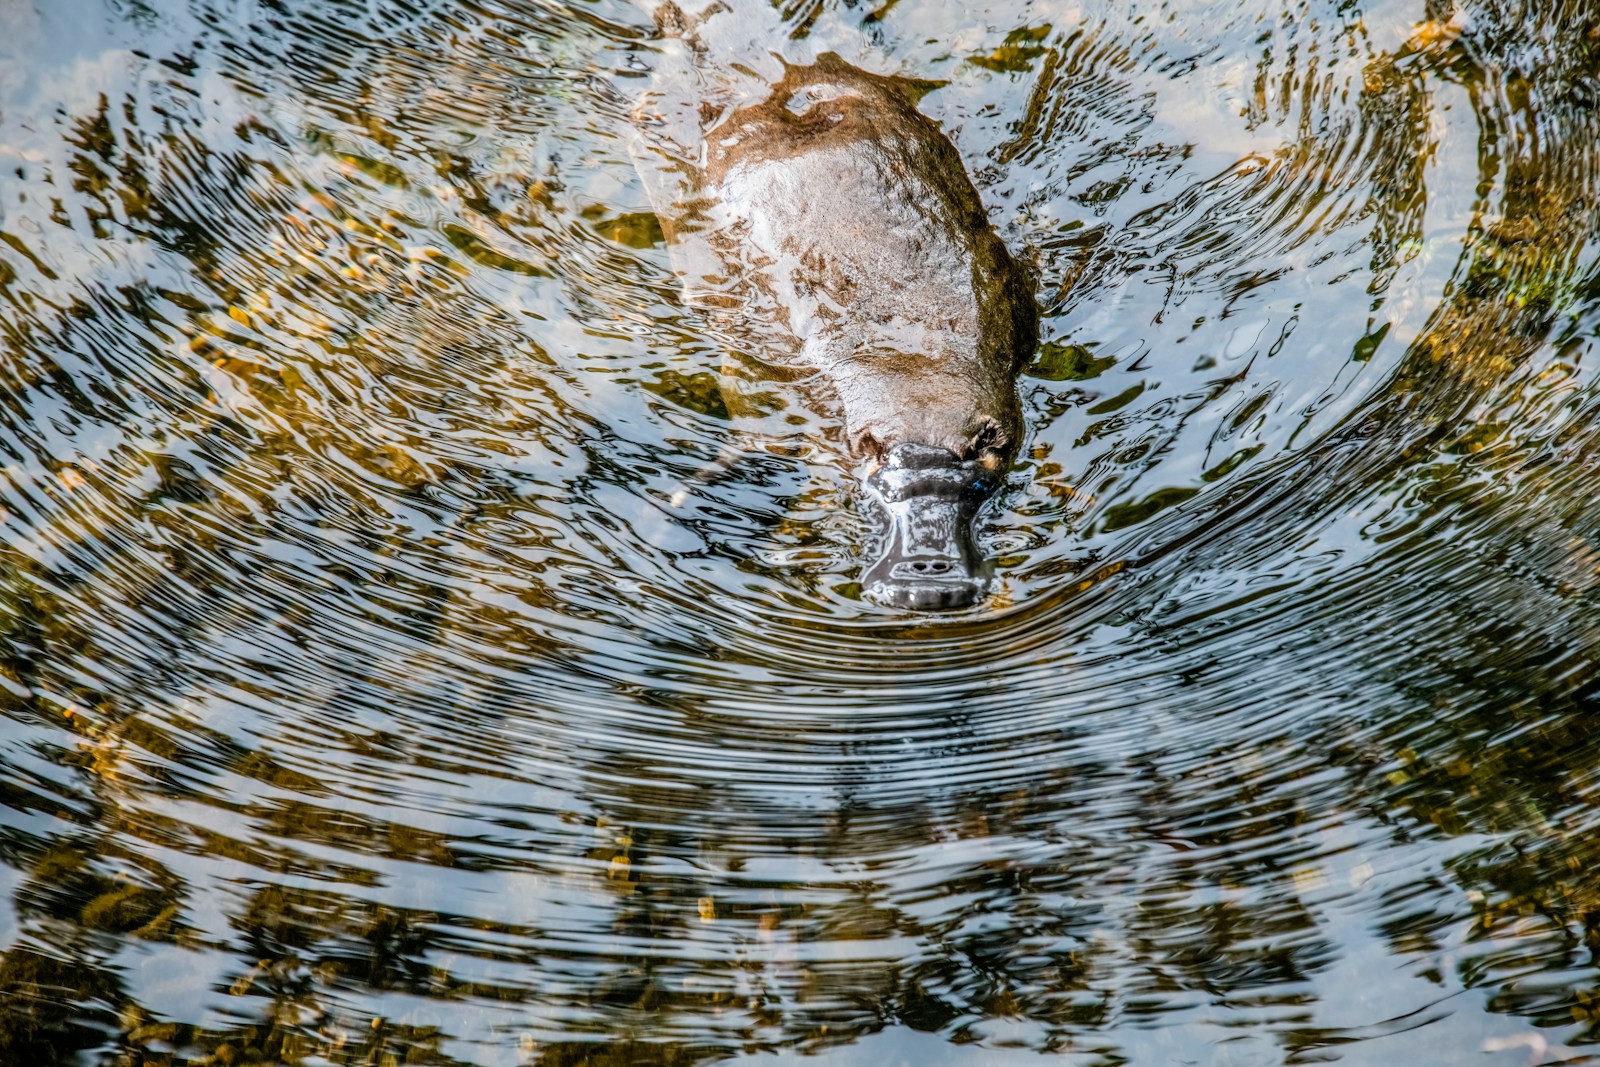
x=380 y=681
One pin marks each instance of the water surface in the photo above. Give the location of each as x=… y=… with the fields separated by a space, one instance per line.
x=367 y=699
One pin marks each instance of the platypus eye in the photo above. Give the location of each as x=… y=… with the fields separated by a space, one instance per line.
x=987 y=444
x=868 y=446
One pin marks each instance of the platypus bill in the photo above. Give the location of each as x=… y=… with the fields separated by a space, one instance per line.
x=839 y=222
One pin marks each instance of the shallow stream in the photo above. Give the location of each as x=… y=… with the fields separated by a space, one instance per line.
x=367 y=698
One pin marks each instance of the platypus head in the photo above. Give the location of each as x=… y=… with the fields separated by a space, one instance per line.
x=927 y=478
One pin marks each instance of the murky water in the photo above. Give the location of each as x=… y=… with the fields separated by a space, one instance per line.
x=367 y=700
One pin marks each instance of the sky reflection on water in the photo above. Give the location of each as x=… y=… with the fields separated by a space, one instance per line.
x=366 y=700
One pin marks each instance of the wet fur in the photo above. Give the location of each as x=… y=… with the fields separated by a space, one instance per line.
x=838 y=226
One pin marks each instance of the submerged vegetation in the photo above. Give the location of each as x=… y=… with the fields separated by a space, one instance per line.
x=371 y=693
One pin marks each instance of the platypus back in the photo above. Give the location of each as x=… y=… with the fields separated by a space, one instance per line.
x=824 y=207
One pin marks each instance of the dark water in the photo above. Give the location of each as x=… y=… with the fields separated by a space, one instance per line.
x=366 y=701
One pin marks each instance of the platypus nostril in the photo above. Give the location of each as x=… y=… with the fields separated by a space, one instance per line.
x=931 y=567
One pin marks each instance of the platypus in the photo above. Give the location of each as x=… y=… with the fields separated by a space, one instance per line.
x=841 y=219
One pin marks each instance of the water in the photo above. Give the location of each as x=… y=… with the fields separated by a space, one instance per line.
x=367 y=700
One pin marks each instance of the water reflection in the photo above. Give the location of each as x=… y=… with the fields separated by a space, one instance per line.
x=367 y=700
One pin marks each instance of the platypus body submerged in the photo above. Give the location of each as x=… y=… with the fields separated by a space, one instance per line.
x=836 y=214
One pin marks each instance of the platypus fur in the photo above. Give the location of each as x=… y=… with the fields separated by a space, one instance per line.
x=836 y=213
